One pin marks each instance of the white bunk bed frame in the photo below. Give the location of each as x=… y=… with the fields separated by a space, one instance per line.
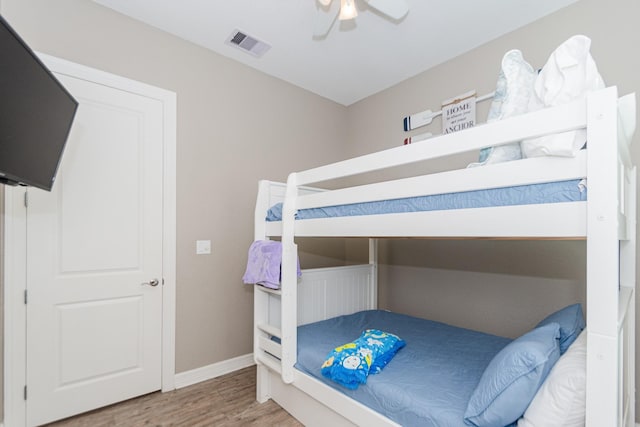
x=607 y=221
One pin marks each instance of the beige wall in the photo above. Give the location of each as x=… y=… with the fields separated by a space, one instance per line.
x=499 y=304
x=235 y=126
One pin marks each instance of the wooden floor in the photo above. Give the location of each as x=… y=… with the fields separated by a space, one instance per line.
x=225 y=401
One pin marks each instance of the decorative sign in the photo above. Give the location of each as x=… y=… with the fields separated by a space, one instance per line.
x=459 y=113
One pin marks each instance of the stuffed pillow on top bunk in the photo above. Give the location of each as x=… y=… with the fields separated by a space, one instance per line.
x=569 y=74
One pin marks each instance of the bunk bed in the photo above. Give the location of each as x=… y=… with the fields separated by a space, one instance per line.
x=605 y=218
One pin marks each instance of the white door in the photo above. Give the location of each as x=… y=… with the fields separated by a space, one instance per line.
x=94 y=254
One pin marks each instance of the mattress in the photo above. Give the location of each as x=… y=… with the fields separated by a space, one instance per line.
x=552 y=192
x=427 y=383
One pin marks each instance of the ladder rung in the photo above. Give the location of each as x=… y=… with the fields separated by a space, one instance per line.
x=271 y=330
x=270 y=347
x=269 y=361
x=268 y=290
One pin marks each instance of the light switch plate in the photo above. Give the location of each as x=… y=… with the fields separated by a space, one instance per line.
x=203 y=247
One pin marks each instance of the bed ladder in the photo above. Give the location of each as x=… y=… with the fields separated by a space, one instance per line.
x=267 y=351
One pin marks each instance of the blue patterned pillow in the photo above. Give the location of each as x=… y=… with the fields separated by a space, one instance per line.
x=350 y=364
x=513 y=377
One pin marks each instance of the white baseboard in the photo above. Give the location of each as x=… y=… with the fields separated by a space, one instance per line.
x=194 y=376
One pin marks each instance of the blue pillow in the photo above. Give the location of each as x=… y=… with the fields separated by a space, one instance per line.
x=571 y=321
x=513 y=377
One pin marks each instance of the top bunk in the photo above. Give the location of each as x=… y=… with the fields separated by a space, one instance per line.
x=603 y=170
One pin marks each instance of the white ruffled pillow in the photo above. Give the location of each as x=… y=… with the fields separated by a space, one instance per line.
x=561 y=400
x=569 y=74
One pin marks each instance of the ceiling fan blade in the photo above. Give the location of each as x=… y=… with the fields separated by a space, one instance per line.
x=325 y=19
x=395 y=9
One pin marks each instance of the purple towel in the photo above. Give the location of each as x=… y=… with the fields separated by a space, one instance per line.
x=264 y=263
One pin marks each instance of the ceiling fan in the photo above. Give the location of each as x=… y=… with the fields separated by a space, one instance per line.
x=329 y=10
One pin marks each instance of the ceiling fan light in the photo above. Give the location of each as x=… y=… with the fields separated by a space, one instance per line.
x=347 y=10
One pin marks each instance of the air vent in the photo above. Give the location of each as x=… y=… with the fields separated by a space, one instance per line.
x=247 y=43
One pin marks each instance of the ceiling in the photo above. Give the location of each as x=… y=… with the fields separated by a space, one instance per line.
x=357 y=58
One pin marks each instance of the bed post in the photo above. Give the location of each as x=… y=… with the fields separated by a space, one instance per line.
x=289 y=286
x=373 y=263
x=626 y=129
x=260 y=299
x=603 y=262
x=262 y=205
x=628 y=289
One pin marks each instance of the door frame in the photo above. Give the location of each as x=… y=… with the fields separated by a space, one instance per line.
x=15 y=313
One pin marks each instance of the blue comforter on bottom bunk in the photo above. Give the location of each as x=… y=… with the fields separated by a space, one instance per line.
x=427 y=383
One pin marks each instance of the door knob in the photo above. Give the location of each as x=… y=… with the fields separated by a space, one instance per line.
x=153 y=282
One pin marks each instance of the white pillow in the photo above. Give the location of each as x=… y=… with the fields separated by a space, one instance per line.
x=569 y=74
x=561 y=400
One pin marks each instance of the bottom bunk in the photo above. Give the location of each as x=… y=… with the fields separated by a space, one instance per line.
x=433 y=379
x=429 y=382
x=446 y=374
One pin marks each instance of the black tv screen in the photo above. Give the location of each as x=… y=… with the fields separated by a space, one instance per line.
x=36 y=113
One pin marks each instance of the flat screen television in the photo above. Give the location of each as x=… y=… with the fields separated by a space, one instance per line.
x=36 y=113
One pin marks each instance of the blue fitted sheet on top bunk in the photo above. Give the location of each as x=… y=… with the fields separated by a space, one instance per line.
x=427 y=383
x=552 y=192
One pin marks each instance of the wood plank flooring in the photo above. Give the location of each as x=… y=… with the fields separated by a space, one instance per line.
x=226 y=401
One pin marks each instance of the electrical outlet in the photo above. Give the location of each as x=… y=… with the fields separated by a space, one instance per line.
x=203 y=247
